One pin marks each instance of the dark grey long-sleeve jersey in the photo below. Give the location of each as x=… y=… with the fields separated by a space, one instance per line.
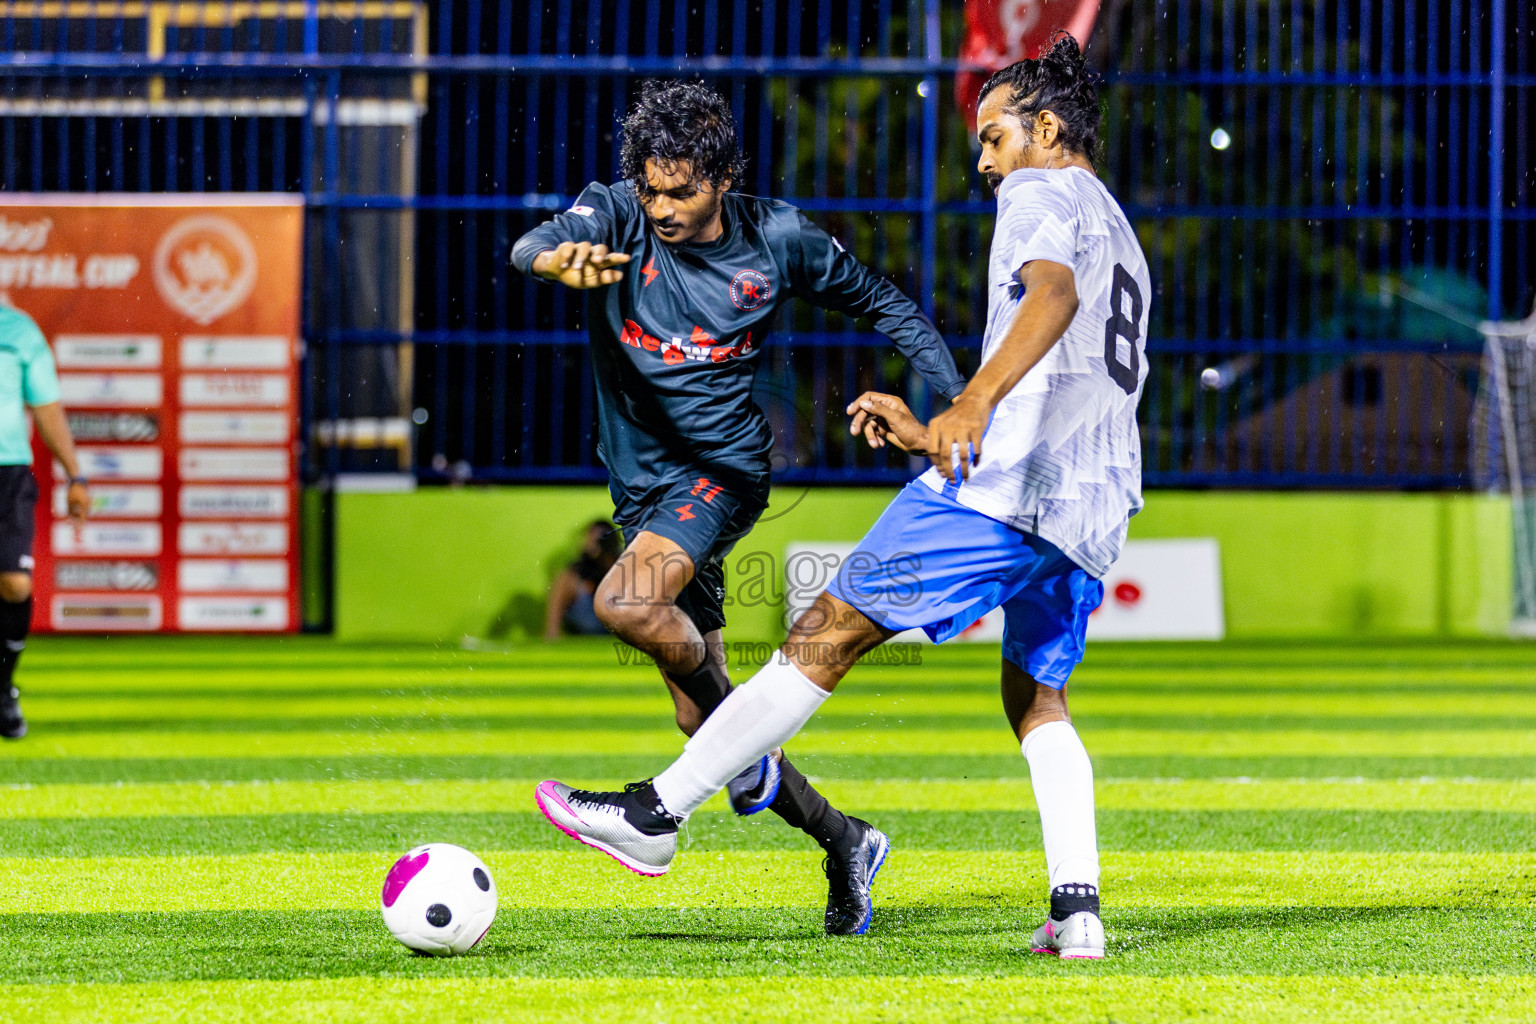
x=675 y=344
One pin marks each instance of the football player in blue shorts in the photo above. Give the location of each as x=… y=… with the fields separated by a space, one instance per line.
x=1036 y=472
x=687 y=275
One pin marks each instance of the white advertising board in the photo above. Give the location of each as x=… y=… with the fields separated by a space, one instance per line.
x=1158 y=590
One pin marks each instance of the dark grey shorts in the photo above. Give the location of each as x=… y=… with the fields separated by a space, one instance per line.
x=705 y=518
x=18 y=506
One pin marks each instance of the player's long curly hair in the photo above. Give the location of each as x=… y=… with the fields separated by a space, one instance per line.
x=681 y=121
x=1059 y=81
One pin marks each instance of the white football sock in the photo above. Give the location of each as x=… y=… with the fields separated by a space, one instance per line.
x=758 y=716
x=1062 y=777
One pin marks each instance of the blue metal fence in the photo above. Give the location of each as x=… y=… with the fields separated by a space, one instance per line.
x=1330 y=196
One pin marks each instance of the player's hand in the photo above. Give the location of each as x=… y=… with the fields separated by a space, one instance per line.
x=955 y=437
x=78 y=502
x=580 y=265
x=881 y=418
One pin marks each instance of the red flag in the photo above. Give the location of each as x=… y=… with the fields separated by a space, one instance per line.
x=1000 y=32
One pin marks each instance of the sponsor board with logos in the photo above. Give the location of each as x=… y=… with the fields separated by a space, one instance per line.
x=236 y=463
x=109 y=501
x=1163 y=590
x=113 y=426
x=181 y=391
x=213 y=352
x=236 y=428
x=232 y=539
x=107 y=351
x=220 y=502
x=232 y=575
x=112 y=390
x=105 y=575
x=225 y=614
x=105 y=613
x=1156 y=590
x=99 y=537
x=114 y=463
x=261 y=390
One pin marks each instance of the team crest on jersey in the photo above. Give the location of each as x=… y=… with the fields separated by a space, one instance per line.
x=750 y=290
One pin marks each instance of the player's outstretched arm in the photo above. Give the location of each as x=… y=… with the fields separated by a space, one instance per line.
x=829 y=276
x=580 y=265
x=576 y=247
x=883 y=418
x=1049 y=304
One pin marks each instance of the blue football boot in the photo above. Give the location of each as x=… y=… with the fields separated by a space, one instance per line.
x=756 y=787
x=850 y=873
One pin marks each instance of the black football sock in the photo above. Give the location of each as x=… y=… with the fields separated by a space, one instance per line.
x=706 y=685
x=15 y=621
x=1073 y=898
x=799 y=804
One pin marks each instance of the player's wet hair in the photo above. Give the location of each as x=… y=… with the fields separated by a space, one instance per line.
x=1059 y=81
x=681 y=121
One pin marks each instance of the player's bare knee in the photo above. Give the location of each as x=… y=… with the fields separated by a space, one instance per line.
x=1049 y=705
x=15 y=587
x=617 y=616
x=643 y=618
x=1029 y=704
x=622 y=613
x=606 y=608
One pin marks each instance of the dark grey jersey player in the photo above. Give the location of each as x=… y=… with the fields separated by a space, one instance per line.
x=687 y=276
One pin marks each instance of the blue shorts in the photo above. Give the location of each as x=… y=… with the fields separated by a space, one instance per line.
x=935 y=564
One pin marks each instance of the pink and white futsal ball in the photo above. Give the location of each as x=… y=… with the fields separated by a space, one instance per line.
x=439 y=899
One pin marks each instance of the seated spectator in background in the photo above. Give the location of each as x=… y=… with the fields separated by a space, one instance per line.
x=570 y=595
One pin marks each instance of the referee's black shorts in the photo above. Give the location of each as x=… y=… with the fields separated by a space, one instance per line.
x=18 y=505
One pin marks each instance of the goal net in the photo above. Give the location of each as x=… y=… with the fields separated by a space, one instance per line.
x=1504 y=446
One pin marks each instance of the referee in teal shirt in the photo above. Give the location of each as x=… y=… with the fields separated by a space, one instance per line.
x=27 y=379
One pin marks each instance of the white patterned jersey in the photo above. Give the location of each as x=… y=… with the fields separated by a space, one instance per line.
x=1061 y=457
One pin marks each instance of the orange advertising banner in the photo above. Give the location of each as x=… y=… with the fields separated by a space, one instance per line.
x=174 y=323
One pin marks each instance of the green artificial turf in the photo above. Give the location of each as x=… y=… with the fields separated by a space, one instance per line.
x=196 y=830
x=977 y=940
x=926 y=830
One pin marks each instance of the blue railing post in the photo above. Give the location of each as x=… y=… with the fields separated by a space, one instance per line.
x=1496 y=105
x=928 y=163
x=330 y=187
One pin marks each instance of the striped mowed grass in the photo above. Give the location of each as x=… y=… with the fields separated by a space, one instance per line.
x=197 y=830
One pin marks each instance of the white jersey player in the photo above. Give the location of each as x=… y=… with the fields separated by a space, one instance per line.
x=1061 y=457
x=1037 y=470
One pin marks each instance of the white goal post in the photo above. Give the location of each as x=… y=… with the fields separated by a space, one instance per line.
x=1504 y=447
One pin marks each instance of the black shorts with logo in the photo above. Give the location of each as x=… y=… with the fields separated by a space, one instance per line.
x=705 y=516
x=18 y=505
